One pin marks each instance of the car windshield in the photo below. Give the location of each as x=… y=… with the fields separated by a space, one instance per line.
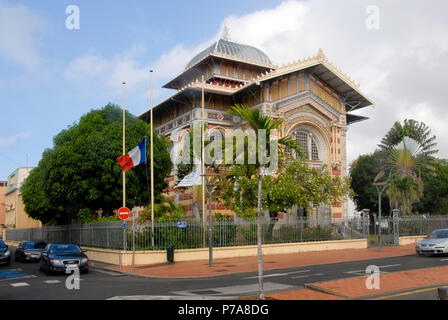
x=2 y=244
x=34 y=245
x=64 y=248
x=440 y=234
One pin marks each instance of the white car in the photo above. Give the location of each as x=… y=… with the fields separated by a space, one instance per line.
x=435 y=243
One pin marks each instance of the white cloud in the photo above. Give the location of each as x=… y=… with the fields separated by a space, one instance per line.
x=8 y=141
x=401 y=66
x=18 y=29
x=92 y=67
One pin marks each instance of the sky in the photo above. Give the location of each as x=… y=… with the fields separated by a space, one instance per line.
x=51 y=75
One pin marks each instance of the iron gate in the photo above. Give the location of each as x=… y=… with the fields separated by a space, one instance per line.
x=385 y=231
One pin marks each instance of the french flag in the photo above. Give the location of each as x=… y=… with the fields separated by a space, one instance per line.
x=134 y=157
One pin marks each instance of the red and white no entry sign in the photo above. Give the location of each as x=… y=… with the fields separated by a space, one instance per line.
x=124 y=213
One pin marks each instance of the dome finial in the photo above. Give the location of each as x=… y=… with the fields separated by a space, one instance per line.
x=225 y=33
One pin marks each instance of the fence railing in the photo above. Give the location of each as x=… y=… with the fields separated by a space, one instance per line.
x=100 y=235
x=418 y=226
x=188 y=234
x=194 y=234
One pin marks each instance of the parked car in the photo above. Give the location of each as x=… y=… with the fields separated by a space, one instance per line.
x=29 y=250
x=58 y=257
x=5 y=254
x=435 y=243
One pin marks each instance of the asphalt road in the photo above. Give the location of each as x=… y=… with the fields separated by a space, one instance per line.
x=98 y=284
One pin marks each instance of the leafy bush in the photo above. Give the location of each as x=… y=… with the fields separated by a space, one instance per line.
x=84 y=216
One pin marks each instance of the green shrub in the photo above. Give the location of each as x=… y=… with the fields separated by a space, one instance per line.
x=84 y=216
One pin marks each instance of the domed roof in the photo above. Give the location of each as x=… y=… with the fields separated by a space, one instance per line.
x=240 y=51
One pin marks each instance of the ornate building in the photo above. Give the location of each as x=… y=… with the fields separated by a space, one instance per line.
x=313 y=96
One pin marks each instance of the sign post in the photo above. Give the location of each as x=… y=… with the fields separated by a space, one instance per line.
x=123 y=214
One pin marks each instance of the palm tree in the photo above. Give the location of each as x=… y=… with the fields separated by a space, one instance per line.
x=258 y=121
x=405 y=185
x=416 y=130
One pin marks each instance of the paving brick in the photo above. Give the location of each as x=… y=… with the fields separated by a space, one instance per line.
x=389 y=282
x=191 y=269
x=303 y=294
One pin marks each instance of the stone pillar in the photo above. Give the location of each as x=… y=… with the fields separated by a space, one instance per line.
x=343 y=146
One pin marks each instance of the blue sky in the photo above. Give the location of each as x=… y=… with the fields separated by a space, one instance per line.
x=50 y=76
x=38 y=100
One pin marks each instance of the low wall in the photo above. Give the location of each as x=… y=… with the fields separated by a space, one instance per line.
x=158 y=257
x=151 y=257
x=410 y=240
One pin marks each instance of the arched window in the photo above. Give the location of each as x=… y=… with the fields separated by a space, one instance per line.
x=308 y=144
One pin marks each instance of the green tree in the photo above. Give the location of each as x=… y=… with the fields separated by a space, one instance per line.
x=435 y=194
x=362 y=172
x=257 y=122
x=405 y=186
x=416 y=130
x=81 y=171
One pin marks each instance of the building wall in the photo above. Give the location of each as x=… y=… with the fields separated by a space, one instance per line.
x=305 y=102
x=15 y=214
x=2 y=202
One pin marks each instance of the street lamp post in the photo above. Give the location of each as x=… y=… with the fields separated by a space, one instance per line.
x=380 y=193
x=210 y=220
x=380 y=187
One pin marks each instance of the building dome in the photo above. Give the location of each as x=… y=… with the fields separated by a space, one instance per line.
x=239 y=51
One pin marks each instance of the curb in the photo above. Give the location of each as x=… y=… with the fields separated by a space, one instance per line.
x=313 y=287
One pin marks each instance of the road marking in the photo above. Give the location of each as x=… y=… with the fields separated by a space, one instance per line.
x=364 y=271
x=318 y=274
x=268 y=275
x=443 y=259
x=52 y=281
x=10 y=274
x=305 y=276
x=407 y=293
x=298 y=271
x=233 y=290
x=278 y=274
x=20 y=284
x=390 y=265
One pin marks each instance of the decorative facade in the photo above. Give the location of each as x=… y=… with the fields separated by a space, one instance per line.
x=313 y=97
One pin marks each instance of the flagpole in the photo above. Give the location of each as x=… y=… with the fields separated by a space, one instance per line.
x=203 y=157
x=152 y=166
x=124 y=147
x=124 y=152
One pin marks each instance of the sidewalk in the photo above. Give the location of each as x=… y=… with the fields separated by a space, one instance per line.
x=355 y=288
x=195 y=269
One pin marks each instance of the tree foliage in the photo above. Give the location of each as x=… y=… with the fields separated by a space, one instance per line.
x=81 y=171
x=296 y=184
x=405 y=155
x=435 y=194
x=413 y=129
x=362 y=173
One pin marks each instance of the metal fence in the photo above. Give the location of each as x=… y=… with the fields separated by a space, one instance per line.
x=390 y=228
x=99 y=235
x=188 y=234
x=227 y=232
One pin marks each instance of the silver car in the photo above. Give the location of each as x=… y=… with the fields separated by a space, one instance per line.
x=435 y=243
